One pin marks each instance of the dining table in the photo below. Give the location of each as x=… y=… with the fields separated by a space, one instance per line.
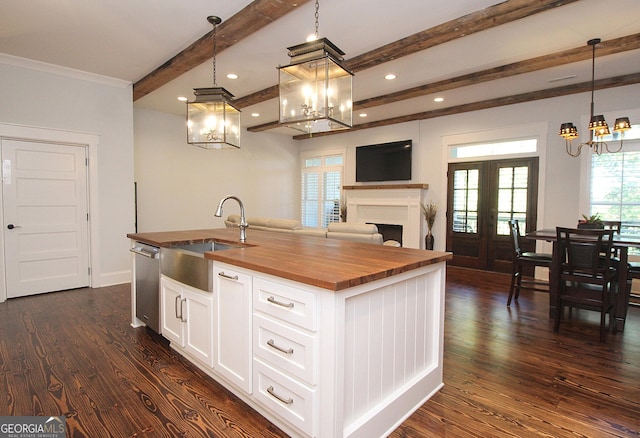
x=621 y=244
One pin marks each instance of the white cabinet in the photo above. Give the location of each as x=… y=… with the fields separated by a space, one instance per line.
x=170 y=308
x=286 y=352
x=316 y=362
x=232 y=325
x=187 y=319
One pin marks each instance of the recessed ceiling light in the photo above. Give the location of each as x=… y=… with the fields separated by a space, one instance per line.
x=562 y=78
x=362 y=115
x=390 y=77
x=182 y=98
x=232 y=76
x=255 y=114
x=439 y=99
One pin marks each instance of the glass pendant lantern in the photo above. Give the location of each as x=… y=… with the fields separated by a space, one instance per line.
x=315 y=88
x=213 y=122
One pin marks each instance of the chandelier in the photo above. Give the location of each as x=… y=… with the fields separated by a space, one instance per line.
x=213 y=122
x=315 y=89
x=598 y=127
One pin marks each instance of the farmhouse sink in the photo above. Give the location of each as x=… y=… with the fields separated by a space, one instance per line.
x=186 y=263
x=201 y=248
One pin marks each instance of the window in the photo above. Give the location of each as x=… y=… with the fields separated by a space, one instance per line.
x=321 y=187
x=513 y=188
x=466 y=186
x=615 y=187
x=513 y=192
x=502 y=148
x=615 y=183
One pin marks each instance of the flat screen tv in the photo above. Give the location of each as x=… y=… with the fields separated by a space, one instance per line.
x=384 y=162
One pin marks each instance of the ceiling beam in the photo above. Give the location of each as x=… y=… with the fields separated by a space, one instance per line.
x=250 y=19
x=492 y=16
x=618 y=81
x=618 y=45
x=484 y=19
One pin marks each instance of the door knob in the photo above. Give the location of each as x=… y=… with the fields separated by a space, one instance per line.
x=11 y=226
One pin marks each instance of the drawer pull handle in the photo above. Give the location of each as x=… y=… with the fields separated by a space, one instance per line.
x=271 y=391
x=273 y=300
x=230 y=277
x=271 y=343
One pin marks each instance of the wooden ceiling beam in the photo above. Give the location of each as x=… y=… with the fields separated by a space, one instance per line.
x=484 y=19
x=492 y=16
x=250 y=19
x=618 y=45
x=618 y=81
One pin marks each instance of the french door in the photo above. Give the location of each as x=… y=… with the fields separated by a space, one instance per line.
x=482 y=197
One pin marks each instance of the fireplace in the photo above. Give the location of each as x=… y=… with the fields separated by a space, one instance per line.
x=390 y=232
x=394 y=205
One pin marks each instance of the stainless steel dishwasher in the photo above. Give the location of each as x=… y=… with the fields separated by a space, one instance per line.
x=148 y=284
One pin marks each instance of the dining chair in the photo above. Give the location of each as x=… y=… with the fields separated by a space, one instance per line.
x=587 y=278
x=615 y=226
x=633 y=272
x=633 y=268
x=521 y=260
x=612 y=225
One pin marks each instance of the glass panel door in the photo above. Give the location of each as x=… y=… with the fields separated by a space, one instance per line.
x=482 y=197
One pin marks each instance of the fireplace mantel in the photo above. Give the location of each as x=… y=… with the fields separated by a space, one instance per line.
x=389 y=204
x=387 y=187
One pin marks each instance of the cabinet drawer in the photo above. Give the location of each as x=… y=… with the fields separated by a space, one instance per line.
x=289 y=349
x=289 y=304
x=291 y=400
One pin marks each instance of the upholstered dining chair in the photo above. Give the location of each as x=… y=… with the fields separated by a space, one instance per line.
x=522 y=259
x=587 y=278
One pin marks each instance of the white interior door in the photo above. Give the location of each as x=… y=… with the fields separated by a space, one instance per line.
x=45 y=217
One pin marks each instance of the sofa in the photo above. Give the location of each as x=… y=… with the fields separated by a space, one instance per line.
x=355 y=232
x=266 y=224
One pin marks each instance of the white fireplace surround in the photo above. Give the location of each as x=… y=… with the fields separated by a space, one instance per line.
x=393 y=206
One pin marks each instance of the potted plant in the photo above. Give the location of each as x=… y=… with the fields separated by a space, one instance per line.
x=429 y=212
x=343 y=210
x=593 y=221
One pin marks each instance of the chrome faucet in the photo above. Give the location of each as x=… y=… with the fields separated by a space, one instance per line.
x=243 y=222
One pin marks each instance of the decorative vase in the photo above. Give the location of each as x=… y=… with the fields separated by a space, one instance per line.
x=428 y=240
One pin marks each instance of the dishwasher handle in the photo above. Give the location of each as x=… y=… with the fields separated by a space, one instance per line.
x=142 y=252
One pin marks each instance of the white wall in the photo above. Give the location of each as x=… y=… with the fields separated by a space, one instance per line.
x=180 y=185
x=560 y=191
x=41 y=95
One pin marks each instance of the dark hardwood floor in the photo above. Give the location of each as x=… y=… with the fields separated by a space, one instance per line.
x=506 y=373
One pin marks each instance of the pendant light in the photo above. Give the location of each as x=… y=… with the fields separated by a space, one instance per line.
x=598 y=127
x=315 y=89
x=213 y=122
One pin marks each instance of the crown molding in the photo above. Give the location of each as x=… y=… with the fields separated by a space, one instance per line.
x=53 y=69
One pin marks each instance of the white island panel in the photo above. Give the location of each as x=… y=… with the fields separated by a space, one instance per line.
x=392 y=352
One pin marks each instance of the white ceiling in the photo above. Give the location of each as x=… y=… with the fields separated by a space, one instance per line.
x=127 y=39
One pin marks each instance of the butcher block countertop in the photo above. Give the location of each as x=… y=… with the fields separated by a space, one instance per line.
x=327 y=263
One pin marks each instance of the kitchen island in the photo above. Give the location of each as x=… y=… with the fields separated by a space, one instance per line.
x=326 y=338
